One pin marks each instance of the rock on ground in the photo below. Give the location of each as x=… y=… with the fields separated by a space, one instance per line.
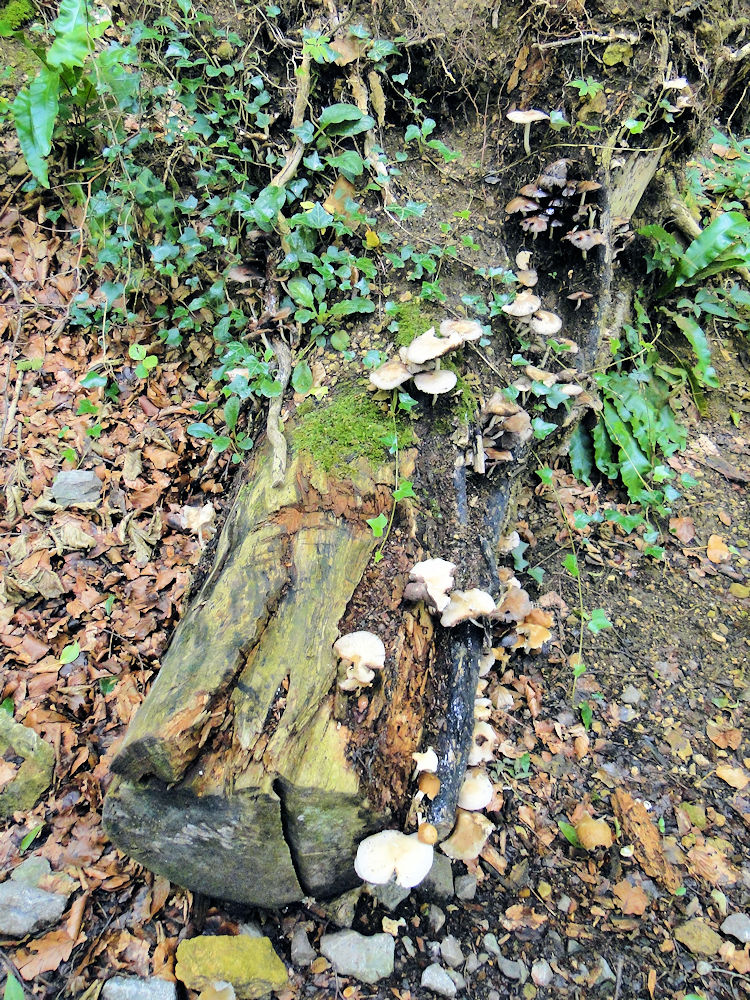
x=451 y=952
x=513 y=970
x=438 y=885
x=367 y=958
x=133 y=988
x=249 y=964
x=436 y=979
x=303 y=952
x=25 y=909
x=35 y=773
x=466 y=886
x=738 y=926
x=75 y=487
x=699 y=937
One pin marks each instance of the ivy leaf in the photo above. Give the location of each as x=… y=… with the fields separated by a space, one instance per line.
x=34 y=114
x=542 y=428
x=301 y=292
x=13 y=989
x=581 y=454
x=377 y=524
x=570 y=562
x=201 y=430
x=304 y=132
x=302 y=379
x=267 y=206
x=317 y=217
x=349 y=306
x=598 y=621
x=335 y=114
x=350 y=164
x=405 y=490
x=231 y=412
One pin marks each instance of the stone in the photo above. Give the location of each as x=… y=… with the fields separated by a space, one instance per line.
x=466 y=886
x=408 y=946
x=76 y=487
x=605 y=973
x=541 y=972
x=251 y=929
x=24 y=909
x=31 y=871
x=490 y=943
x=472 y=963
x=704 y=968
x=367 y=958
x=698 y=937
x=436 y=979
x=739 y=590
x=249 y=964
x=563 y=903
x=133 y=988
x=34 y=775
x=631 y=695
x=737 y=925
x=438 y=885
x=695 y=813
x=390 y=895
x=458 y=980
x=341 y=910
x=450 y=951
x=303 y=952
x=513 y=970
x=436 y=919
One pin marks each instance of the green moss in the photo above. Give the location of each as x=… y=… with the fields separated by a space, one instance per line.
x=17 y=13
x=412 y=319
x=464 y=398
x=348 y=426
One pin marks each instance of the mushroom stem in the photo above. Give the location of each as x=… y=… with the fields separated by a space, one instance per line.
x=526 y=131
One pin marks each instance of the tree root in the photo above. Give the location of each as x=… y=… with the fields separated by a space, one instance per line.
x=274 y=432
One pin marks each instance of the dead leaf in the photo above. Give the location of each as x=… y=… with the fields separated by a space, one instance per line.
x=725 y=737
x=594 y=833
x=651 y=982
x=45 y=954
x=341 y=192
x=632 y=899
x=645 y=839
x=717 y=550
x=737 y=777
x=707 y=862
x=684 y=528
x=738 y=960
x=519 y=916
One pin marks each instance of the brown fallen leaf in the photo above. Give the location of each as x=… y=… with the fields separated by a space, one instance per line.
x=632 y=899
x=717 y=549
x=737 y=960
x=737 y=777
x=45 y=954
x=645 y=838
x=684 y=528
x=707 y=862
x=594 y=833
x=519 y=916
x=725 y=737
x=651 y=982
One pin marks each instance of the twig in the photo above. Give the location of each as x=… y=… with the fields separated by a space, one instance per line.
x=618 y=981
x=274 y=432
x=295 y=154
x=11 y=352
x=559 y=43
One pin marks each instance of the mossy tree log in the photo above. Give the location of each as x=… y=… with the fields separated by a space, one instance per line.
x=245 y=775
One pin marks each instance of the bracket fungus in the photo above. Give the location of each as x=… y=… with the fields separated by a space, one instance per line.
x=469 y=836
x=526 y=118
x=465 y=605
x=391 y=854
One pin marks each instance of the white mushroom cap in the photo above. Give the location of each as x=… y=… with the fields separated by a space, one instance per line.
x=520 y=425
x=524 y=304
x=466 y=604
x=483 y=748
x=426 y=761
x=482 y=709
x=528 y=278
x=546 y=323
x=430 y=581
x=356 y=677
x=524 y=117
x=468 y=837
x=499 y=404
x=486 y=662
x=390 y=854
x=570 y=389
x=467 y=329
x=435 y=383
x=428 y=346
x=476 y=790
x=390 y=375
x=361 y=649
x=540 y=375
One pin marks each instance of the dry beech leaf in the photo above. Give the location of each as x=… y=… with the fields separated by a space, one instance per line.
x=684 y=528
x=717 y=550
x=738 y=960
x=632 y=900
x=737 y=777
x=45 y=954
x=725 y=737
x=519 y=916
x=707 y=862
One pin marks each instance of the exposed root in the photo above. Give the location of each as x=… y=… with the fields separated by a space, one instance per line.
x=362 y=100
x=273 y=424
x=294 y=156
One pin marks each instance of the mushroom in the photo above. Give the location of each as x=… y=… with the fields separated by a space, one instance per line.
x=520 y=204
x=523 y=259
x=555 y=174
x=499 y=404
x=430 y=581
x=524 y=304
x=391 y=854
x=486 y=662
x=593 y=833
x=483 y=746
x=515 y=605
x=525 y=118
x=476 y=790
x=467 y=329
x=520 y=425
x=482 y=708
x=533 y=191
x=540 y=375
x=527 y=277
x=429 y=346
x=545 y=323
x=585 y=239
x=390 y=375
x=579 y=297
x=584 y=187
x=426 y=761
x=436 y=382
x=535 y=224
x=570 y=389
x=427 y=834
x=364 y=652
x=466 y=604
x=468 y=836
x=429 y=784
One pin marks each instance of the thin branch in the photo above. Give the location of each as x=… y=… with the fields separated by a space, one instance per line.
x=274 y=432
x=580 y=39
x=11 y=352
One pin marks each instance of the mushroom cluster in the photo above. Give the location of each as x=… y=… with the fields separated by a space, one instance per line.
x=362 y=653
x=420 y=361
